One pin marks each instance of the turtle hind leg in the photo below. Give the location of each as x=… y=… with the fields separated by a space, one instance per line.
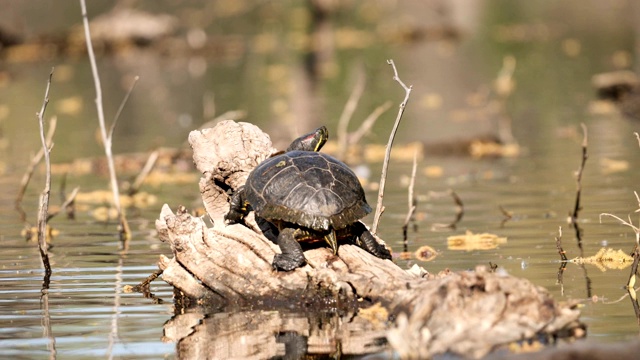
x=238 y=207
x=292 y=256
x=368 y=242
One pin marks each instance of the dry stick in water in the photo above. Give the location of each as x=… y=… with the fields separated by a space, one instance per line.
x=387 y=155
x=636 y=252
x=67 y=202
x=26 y=178
x=413 y=203
x=459 y=209
x=347 y=114
x=43 y=207
x=577 y=207
x=563 y=259
x=573 y=220
x=107 y=137
x=146 y=170
x=367 y=124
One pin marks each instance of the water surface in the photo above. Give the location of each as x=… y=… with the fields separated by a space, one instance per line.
x=86 y=311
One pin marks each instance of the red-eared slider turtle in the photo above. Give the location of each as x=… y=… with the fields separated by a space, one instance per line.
x=308 y=196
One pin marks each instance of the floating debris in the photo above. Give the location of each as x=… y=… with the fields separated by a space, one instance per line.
x=426 y=253
x=606 y=258
x=470 y=241
x=140 y=200
x=609 y=166
x=480 y=149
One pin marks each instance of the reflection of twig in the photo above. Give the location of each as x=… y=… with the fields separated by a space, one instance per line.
x=43 y=206
x=387 y=155
x=113 y=335
x=347 y=114
x=413 y=202
x=576 y=209
x=46 y=320
x=459 y=209
x=507 y=215
x=31 y=168
x=107 y=137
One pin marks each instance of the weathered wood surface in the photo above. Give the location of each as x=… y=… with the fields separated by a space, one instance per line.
x=468 y=313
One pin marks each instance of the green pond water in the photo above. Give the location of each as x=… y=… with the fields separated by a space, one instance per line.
x=258 y=67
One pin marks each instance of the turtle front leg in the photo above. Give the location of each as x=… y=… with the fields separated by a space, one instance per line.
x=238 y=207
x=368 y=242
x=292 y=256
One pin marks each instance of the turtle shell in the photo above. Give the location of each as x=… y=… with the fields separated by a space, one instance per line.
x=311 y=189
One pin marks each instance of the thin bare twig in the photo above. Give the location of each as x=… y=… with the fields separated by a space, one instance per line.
x=144 y=285
x=636 y=249
x=68 y=201
x=412 y=201
x=573 y=217
x=563 y=260
x=26 y=178
x=106 y=136
x=122 y=104
x=347 y=114
x=148 y=166
x=367 y=124
x=43 y=207
x=577 y=207
x=387 y=155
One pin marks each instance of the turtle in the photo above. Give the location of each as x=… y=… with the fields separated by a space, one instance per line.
x=308 y=196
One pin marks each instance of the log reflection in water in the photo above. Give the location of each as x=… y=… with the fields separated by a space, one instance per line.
x=265 y=334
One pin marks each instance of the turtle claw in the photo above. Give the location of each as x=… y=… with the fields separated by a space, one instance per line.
x=283 y=262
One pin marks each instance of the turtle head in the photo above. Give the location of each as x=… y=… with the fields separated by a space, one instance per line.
x=312 y=141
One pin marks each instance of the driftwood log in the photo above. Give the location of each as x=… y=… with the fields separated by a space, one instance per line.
x=413 y=313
